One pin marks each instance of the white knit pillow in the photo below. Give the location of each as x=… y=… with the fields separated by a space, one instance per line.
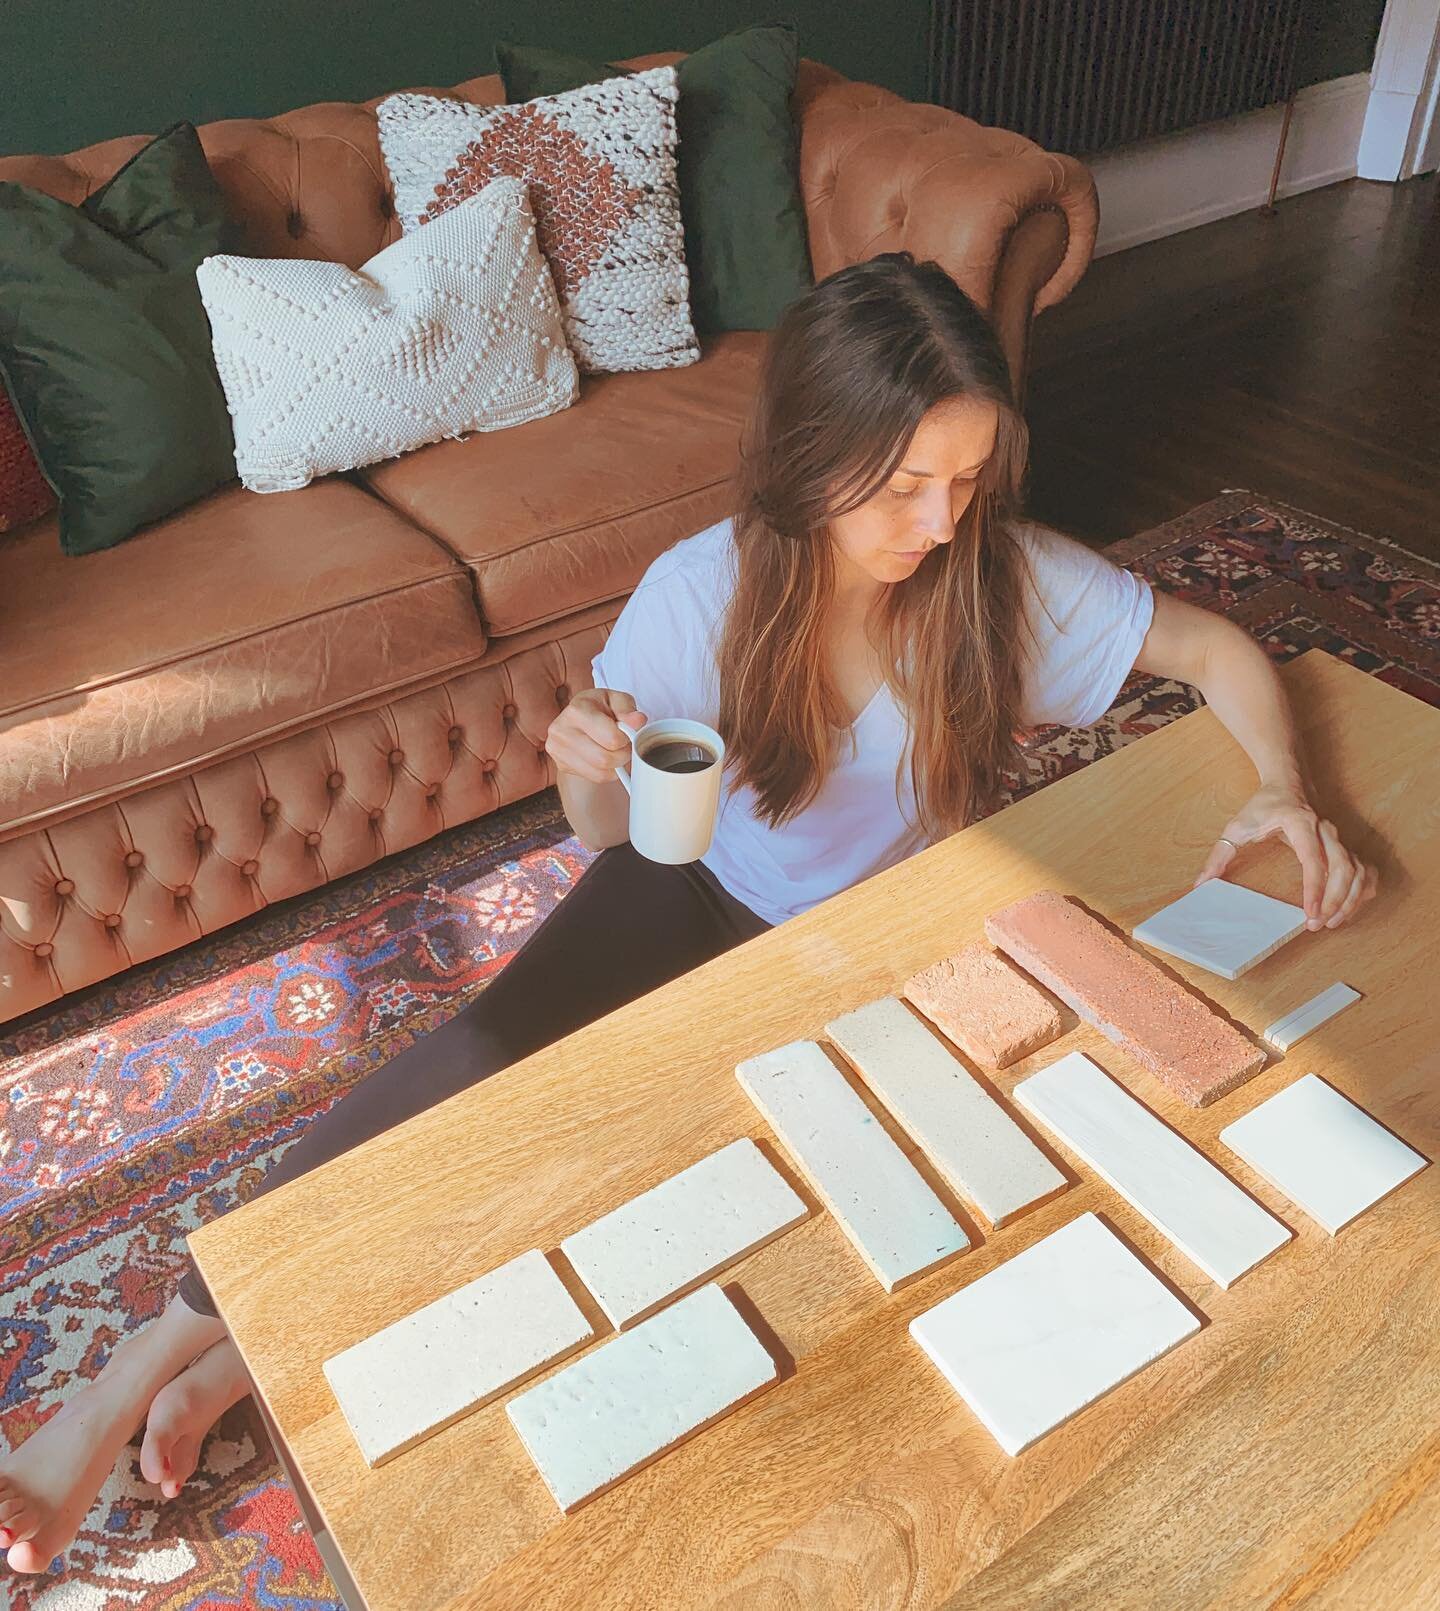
x=453 y=330
x=600 y=164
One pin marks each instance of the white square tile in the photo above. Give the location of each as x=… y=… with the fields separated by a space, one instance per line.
x=427 y=1370
x=1183 y=1195
x=1222 y=927
x=1324 y=1153
x=1304 y=1020
x=896 y=1223
x=974 y=1144
x=682 y=1231
x=628 y=1401
x=1042 y=1336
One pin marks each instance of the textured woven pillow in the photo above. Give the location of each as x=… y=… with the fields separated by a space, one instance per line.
x=600 y=165
x=25 y=494
x=456 y=329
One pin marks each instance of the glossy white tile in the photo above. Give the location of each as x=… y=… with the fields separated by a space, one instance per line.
x=1325 y=1154
x=683 y=1231
x=1222 y=927
x=1183 y=1195
x=976 y=1147
x=1295 y=1026
x=895 y=1221
x=633 y=1398
x=1042 y=1336
x=427 y=1370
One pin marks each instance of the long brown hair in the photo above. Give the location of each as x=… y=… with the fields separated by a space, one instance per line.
x=853 y=367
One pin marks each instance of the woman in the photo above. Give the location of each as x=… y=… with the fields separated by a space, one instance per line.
x=866 y=634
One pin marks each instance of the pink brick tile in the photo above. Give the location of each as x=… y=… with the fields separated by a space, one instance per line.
x=1183 y=1042
x=992 y=1013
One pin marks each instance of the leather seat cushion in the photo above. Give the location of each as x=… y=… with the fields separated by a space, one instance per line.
x=234 y=620
x=568 y=511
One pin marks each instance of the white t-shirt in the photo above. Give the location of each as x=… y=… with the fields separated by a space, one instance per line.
x=1087 y=624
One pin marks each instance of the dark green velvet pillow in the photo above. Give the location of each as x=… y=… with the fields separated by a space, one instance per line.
x=104 y=343
x=745 y=240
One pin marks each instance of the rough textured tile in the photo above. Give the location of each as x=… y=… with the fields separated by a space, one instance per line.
x=978 y=1149
x=627 y=1402
x=425 y=1372
x=1040 y=1337
x=1324 y=1153
x=898 y=1225
x=1222 y=927
x=682 y=1231
x=1181 y=1193
x=1181 y=1041
x=990 y=1010
x=1295 y=1026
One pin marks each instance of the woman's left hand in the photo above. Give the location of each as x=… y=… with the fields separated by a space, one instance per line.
x=1335 y=882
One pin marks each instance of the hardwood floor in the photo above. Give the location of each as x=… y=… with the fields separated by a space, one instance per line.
x=1297 y=355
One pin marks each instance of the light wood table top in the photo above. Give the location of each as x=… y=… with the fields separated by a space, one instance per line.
x=1288 y=1454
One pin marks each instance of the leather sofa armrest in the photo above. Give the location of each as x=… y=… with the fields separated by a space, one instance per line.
x=881 y=174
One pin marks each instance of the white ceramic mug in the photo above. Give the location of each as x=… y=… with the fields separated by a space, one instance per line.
x=672 y=814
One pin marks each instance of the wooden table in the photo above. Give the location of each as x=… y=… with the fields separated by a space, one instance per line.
x=1288 y=1454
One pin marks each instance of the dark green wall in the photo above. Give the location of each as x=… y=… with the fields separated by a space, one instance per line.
x=1338 y=38
x=77 y=71
x=83 y=70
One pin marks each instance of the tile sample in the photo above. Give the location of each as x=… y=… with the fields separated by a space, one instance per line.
x=1222 y=927
x=628 y=1401
x=431 y=1368
x=898 y=1225
x=1181 y=1193
x=1051 y=1330
x=989 y=1009
x=977 y=1148
x=682 y=1231
x=1324 y=1153
x=1183 y=1042
x=1295 y=1026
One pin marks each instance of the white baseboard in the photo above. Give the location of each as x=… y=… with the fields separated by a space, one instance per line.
x=1161 y=187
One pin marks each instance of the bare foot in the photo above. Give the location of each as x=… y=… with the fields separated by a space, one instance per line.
x=49 y=1483
x=185 y=1410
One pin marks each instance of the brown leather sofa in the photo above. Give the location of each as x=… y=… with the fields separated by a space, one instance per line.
x=263 y=693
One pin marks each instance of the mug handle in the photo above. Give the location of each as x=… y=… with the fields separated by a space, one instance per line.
x=620 y=771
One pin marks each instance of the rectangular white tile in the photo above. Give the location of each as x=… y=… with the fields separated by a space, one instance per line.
x=1183 y=1195
x=1222 y=927
x=682 y=1231
x=977 y=1148
x=897 y=1224
x=424 y=1372
x=628 y=1401
x=1295 y=1026
x=1325 y=1154
x=1050 y=1331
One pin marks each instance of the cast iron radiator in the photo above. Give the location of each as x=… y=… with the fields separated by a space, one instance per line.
x=1084 y=75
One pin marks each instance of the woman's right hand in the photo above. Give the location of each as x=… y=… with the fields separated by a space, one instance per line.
x=582 y=739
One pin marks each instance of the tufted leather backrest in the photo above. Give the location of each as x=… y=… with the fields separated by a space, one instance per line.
x=309 y=183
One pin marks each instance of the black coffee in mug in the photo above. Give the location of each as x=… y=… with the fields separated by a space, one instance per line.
x=677 y=755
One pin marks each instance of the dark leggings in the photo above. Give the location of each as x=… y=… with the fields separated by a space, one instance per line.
x=628 y=927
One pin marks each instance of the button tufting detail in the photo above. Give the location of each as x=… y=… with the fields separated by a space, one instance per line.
x=312 y=838
x=64 y=886
x=134 y=858
x=112 y=920
x=455 y=734
x=335 y=780
x=509 y=713
x=44 y=950
x=396 y=757
x=250 y=868
x=182 y=892
x=204 y=834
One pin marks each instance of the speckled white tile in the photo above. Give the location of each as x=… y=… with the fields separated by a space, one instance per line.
x=627 y=1402
x=683 y=1231
x=1295 y=1026
x=1040 y=1337
x=1181 y=1193
x=1222 y=927
x=423 y=1373
x=897 y=1224
x=977 y=1148
x=1325 y=1154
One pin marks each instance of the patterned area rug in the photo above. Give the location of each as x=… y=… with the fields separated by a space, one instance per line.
x=137 y=1112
